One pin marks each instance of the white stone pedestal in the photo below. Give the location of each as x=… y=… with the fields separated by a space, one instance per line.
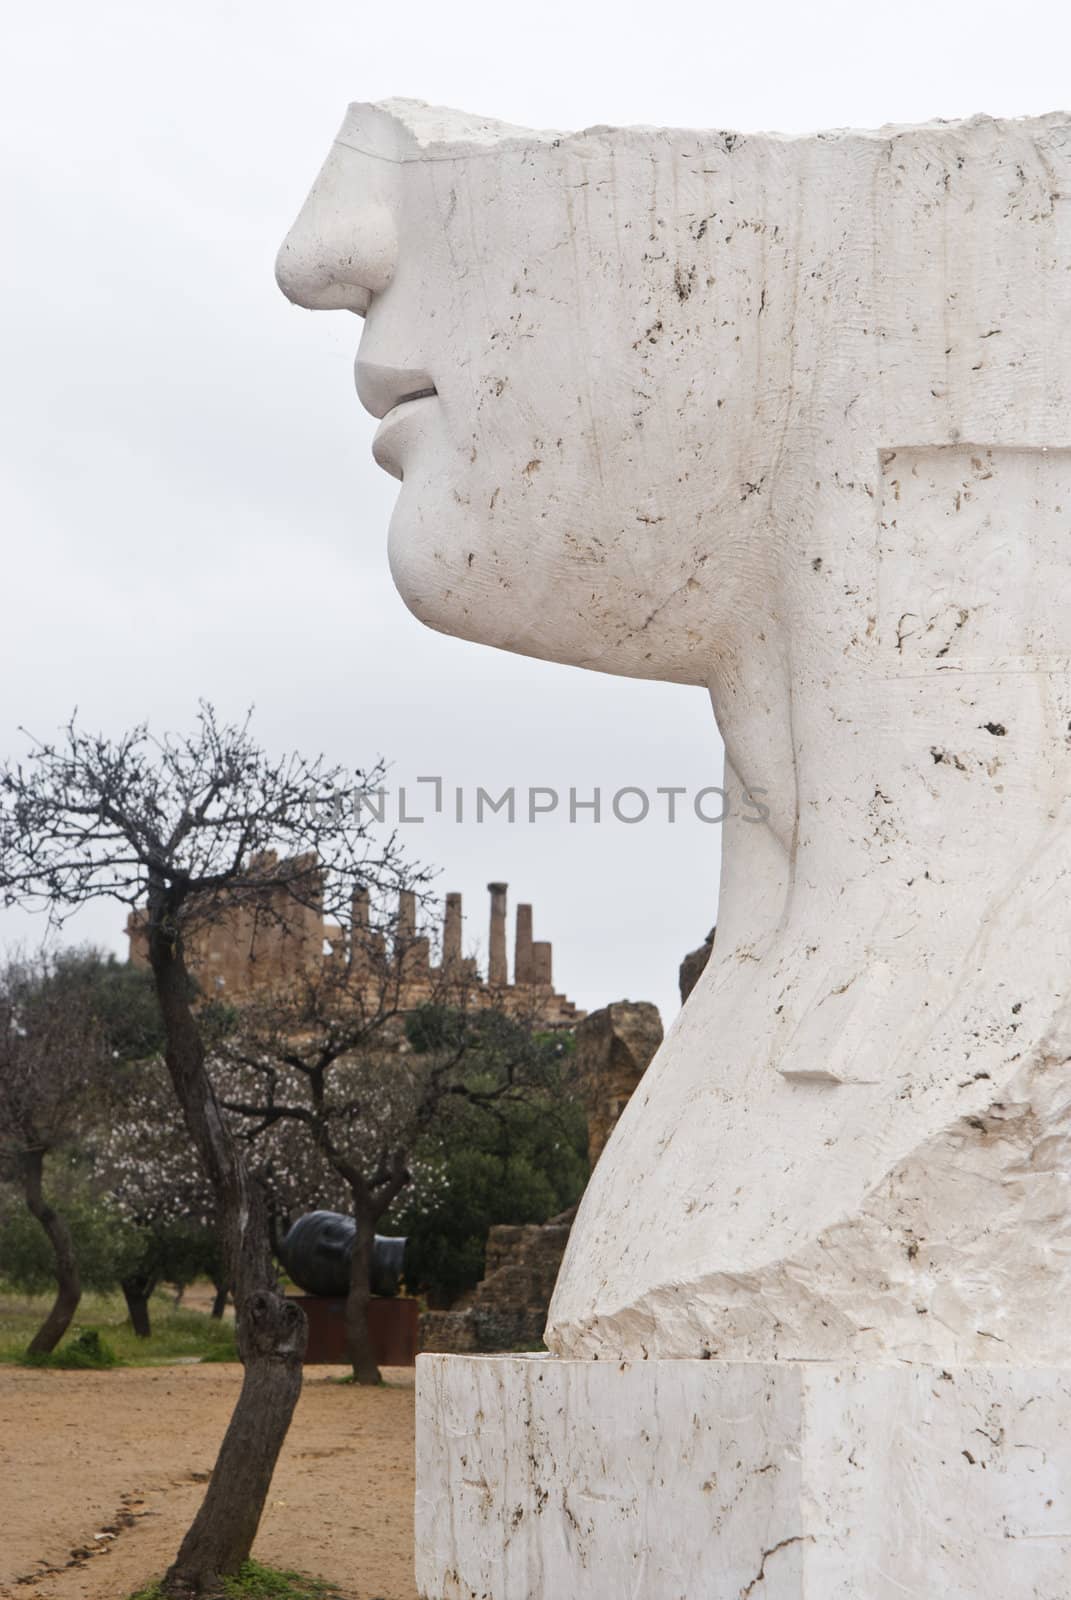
x=543 y=1479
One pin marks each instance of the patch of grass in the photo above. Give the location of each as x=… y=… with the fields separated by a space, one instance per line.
x=226 y=1350
x=177 y=1336
x=256 y=1582
x=87 y=1351
x=349 y=1381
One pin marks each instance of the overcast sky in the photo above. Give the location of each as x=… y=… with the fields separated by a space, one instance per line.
x=190 y=507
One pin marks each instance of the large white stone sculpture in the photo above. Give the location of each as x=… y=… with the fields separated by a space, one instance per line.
x=789 y=418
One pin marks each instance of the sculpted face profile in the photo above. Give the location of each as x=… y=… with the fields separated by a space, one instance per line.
x=789 y=418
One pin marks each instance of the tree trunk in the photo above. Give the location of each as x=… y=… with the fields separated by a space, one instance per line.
x=68 y=1278
x=224 y=1529
x=358 y=1340
x=219 y=1304
x=272 y=1332
x=136 y=1292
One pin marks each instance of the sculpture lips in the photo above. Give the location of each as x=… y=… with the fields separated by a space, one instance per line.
x=417 y=394
x=384 y=385
x=398 y=426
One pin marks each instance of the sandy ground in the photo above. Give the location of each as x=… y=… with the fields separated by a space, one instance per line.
x=126 y=1454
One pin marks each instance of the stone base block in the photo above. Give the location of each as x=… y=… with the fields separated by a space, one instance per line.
x=541 y=1479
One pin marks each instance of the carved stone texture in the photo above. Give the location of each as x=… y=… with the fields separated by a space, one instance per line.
x=705 y=1480
x=788 y=418
x=614 y=1048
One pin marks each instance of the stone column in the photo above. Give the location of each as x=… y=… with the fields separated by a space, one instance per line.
x=359 y=913
x=406 y=930
x=417 y=960
x=452 y=933
x=522 y=949
x=367 y=949
x=497 y=972
x=541 y=964
x=412 y=952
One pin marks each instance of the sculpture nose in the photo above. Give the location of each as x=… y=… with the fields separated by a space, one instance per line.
x=342 y=249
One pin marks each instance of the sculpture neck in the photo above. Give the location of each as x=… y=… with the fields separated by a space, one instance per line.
x=906 y=703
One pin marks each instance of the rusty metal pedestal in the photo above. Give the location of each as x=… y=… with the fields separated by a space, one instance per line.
x=392 y=1324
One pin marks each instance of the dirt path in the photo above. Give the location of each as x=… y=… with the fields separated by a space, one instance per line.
x=126 y=1454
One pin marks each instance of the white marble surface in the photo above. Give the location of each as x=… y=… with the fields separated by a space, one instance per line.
x=543 y=1479
x=789 y=418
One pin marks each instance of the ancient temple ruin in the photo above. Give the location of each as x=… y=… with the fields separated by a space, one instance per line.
x=249 y=950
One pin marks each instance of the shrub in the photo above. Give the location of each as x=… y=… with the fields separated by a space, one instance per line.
x=525 y=1163
x=104 y=1243
x=86 y=1351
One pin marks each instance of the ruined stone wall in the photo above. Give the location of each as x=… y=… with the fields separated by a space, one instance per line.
x=246 y=951
x=694 y=965
x=614 y=1047
x=508 y=1308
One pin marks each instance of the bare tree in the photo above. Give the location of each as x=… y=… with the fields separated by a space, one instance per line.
x=319 y=1065
x=186 y=827
x=52 y=1054
x=328 y=1063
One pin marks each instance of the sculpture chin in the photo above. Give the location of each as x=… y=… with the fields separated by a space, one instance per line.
x=441 y=578
x=478 y=580
x=412 y=567
x=432 y=543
